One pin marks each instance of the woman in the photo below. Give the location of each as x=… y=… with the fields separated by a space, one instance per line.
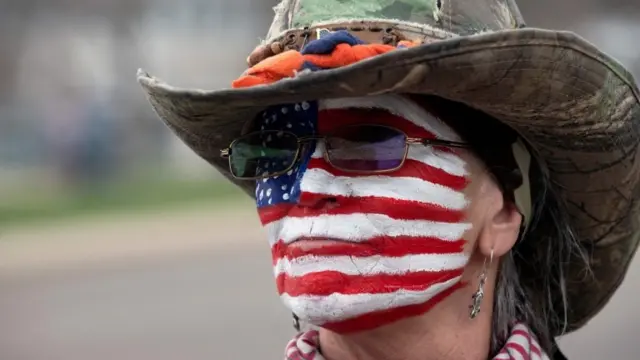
x=436 y=181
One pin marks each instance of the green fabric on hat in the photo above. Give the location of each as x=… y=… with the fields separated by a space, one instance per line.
x=470 y=16
x=314 y=11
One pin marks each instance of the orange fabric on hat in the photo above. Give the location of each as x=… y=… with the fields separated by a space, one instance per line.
x=286 y=64
x=345 y=54
x=271 y=69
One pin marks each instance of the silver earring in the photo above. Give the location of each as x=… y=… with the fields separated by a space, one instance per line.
x=476 y=299
x=296 y=322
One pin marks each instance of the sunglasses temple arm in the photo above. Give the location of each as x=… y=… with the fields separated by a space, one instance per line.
x=437 y=142
x=305 y=139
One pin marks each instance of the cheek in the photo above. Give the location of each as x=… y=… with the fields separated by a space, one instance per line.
x=475 y=213
x=402 y=250
x=446 y=192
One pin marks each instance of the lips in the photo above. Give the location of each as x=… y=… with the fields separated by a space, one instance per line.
x=381 y=246
x=321 y=246
x=310 y=243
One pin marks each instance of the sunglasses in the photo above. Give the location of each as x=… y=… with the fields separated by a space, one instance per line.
x=363 y=149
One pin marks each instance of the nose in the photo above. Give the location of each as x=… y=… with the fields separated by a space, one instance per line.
x=313 y=188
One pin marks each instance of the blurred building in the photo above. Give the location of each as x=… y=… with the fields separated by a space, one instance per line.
x=68 y=96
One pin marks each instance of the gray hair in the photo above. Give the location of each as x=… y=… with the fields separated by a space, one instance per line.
x=531 y=284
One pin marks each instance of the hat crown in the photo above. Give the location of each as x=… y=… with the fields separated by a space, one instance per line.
x=459 y=17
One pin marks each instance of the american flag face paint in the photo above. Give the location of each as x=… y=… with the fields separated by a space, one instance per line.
x=387 y=246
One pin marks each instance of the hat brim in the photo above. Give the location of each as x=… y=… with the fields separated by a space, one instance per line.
x=578 y=109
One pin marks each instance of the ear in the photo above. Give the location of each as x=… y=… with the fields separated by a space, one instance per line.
x=501 y=226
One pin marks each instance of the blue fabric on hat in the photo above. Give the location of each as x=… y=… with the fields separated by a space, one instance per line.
x=327 y=44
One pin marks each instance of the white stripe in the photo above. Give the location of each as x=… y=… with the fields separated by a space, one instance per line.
x=359 y=227
x=371 y=265
x=397 y=105
x=448 y=162
x=526 y=343
x=502 y=356
x=318 y=309
x=520 y=340
x=515 y=354
x=521 y=327
x=319 y=181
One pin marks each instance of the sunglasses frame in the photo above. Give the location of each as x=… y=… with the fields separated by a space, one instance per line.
x=301 y=140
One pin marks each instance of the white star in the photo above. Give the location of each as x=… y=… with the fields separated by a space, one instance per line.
x=268 y=192
x=305 y=105
x=284 y=110
x=285 y=196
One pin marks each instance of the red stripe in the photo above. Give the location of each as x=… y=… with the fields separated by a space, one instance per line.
x=375 y=319
x=324 y=283
x=393 y=208
x=528 y=336
x=383 y=246
x=411 y=168
x=517 y=347
x=332 y=119
x=535 y=349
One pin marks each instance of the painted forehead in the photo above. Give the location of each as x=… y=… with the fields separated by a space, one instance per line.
x=318 y=117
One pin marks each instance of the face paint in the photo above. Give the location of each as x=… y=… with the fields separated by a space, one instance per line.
x=390 y=246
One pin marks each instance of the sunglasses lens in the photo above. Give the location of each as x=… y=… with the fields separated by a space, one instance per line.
x=263 y=154
x=367 y=148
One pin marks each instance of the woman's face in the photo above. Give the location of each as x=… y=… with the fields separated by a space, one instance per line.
x=357 y=250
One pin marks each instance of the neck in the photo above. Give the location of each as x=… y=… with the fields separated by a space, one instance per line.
x=440 y=335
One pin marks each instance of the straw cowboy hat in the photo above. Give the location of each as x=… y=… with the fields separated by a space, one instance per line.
x=577 y=108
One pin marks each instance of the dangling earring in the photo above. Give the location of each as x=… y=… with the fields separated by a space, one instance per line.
x=296 y=322
x=476 y=299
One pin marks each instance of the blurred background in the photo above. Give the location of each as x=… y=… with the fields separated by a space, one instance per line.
x=115 y=241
